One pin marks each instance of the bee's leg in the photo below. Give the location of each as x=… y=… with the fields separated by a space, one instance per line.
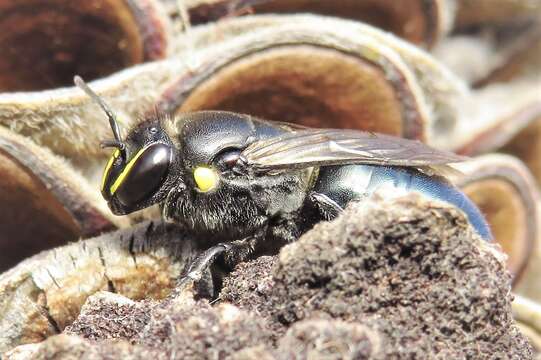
x=233 y=253
x=239 y=251
x=328 y=208
x=198 y=267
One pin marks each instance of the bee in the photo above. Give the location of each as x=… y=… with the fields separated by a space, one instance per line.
x=248 y=186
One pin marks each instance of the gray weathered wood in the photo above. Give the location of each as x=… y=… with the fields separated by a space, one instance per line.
x=43 y=294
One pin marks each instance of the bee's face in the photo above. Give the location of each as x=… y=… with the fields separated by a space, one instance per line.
x=135 y=178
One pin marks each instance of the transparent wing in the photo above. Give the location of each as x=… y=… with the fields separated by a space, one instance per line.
x=320 y=147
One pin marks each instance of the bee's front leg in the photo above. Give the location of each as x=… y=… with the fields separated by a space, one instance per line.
x=232 y=252
x=198 y=267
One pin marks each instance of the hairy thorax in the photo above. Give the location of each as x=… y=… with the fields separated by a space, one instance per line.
x=221 y=216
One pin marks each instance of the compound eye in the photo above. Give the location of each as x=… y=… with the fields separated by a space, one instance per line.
x=143 y=175
x=228 y=159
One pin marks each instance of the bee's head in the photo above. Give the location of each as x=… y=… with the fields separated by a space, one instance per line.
x=140 y=169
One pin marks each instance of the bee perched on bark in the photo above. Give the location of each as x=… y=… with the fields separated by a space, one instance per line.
x=248 y=186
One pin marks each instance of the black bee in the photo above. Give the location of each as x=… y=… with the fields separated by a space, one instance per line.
x=248 y=186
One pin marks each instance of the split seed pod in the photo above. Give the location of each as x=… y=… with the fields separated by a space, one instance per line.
x=44 y=42
x=308 y=69
x=46 y=202
x=527 y=145
x=505 y=191
x=495 y=12
x=490 y=117
x=316 y=71
x=522 y=58
x=70 y=124
x=419 y=22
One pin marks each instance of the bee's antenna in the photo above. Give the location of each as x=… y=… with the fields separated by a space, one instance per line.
x=110 y=114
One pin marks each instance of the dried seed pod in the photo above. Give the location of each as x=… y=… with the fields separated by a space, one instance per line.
x=500 y=37
x=316 y=71
x=522 y=58
x=49 y=203
x=485 y=12
x=511 y=123
x=491 y=117
x=68 y=122
x=44 y=294
x=527 y=144
x=45 y=42
x=394 y=86
x=506 y=193
x=420 y=22
x=483 y=56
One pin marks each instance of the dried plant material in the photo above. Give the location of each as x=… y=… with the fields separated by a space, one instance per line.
x=522 y=58
x=69 y=123
x=483 y=56
x=486 y=12
x=379 y=282
x=505 y=191
x=316 y=71
x=412 y=94
x=419 y=22
x=526 y=145
x=490 y=117
x=44 y=294
x=44 y=47
x=188 y=331
x=385 y=264
x=200 y=331
x=46 y=203
x=293 y=83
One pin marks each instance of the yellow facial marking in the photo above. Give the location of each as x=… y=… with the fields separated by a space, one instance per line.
x=114 y=156
x=126 y=171
x=205 y=178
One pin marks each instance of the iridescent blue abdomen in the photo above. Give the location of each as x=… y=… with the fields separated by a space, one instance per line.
x=343 y=184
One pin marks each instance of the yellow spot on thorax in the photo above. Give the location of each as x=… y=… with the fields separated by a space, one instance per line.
x=205 y=178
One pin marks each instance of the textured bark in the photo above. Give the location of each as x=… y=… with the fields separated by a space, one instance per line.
x=44 y=294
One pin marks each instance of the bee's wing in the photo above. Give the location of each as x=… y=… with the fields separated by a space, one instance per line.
x=320 y=147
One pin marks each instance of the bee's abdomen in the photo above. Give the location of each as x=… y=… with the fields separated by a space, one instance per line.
x=343 y=184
